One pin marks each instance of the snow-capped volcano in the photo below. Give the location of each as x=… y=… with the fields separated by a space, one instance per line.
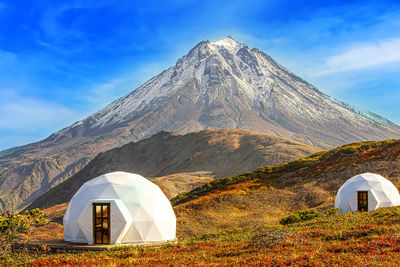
x=225 y=84
x=221 y=84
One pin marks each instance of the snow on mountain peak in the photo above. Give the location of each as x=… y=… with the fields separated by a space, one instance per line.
x=227 y=76
x=228 y=43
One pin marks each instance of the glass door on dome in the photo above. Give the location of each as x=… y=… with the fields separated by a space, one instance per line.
x=101 y=223
x=362 y=200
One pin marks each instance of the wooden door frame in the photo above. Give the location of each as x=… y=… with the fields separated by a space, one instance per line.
x=358 y=199
x=94 y=204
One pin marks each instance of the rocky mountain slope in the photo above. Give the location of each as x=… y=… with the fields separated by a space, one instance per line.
x=222 y=84
x=225 y=84
x=269 y=193
x=184 y=161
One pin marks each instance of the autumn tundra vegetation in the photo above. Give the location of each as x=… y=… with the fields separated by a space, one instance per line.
x=312 y=239
x=15 y=233
x=250 y=235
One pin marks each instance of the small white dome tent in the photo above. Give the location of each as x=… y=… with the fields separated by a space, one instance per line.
x=366 y=192
x=119 y=207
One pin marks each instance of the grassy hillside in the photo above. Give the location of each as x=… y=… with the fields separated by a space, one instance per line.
x=174 y=184
x=266 y=194
x=234 y=220
x=221 y=153
x=263 y=196
x=352 y=239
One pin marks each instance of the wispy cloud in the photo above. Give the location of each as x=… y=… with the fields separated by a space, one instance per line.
x=103 y=93
x=363 y=55
x=25 y=119
x=56 y=36
x=19 y=113
x=65 y=28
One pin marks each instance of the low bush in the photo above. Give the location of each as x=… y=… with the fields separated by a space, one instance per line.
x=300 y=216
x=332 y=212
x=12 y=228
x=306 y=215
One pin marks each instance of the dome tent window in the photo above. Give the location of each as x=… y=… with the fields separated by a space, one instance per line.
x=366 y=192
x=119 y=207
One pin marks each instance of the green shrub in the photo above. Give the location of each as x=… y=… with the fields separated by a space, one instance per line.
x=306 y=215
x=300 y=216
x=332 y=212
x=11 y=228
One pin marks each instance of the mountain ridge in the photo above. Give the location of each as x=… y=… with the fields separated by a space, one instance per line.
x=214 y=153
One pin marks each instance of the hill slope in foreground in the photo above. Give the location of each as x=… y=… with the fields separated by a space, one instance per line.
x=178 y=163
x=263 y=196
x=266 y=194
x=351 y=239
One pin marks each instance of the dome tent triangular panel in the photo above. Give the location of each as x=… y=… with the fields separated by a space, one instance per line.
x=367 y=191
x=109 y=207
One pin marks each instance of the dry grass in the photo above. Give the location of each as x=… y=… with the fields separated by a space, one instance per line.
x=52 y=230
x=268 y=193
x=174 y=184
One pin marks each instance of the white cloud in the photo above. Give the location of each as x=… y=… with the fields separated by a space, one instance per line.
x=363 y=55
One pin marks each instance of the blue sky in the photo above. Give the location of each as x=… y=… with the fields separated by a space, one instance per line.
x=62 y=60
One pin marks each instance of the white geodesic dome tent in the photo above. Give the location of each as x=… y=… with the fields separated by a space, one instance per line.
x=119 y=207
x=369 y=190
